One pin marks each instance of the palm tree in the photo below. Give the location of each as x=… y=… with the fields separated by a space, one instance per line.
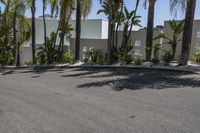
x=18 y=9
x=190 y=6
x=65 y=15
x=187 y=33
x=176 y=29
x=44 y=2
x=110 y=8
x=78 y=30
x=14 y=14
x=33 y=10
x=150 y=25
x=83 y=8
x=24 y=34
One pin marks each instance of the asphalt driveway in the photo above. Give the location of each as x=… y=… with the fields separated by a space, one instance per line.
x=99 y=101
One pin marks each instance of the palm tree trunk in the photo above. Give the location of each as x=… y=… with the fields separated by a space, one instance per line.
x=174 y=44
x=110 y=32
x=78 y=31
x=149 y=33
x=14 y=35
x=187 y=33
x=33 y=31
x=18 y=55
x=44 y=22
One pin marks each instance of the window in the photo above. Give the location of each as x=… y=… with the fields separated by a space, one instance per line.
x=84 y=49
x=198 y=34
x=137 y=43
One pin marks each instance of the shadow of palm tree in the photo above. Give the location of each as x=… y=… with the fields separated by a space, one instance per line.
x=141 y=78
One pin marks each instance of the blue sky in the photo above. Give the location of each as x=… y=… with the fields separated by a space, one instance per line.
x=161 y=12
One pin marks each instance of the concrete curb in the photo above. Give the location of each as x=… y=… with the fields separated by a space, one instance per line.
x=43 y=67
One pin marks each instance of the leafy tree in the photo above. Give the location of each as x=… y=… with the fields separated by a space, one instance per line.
x=9 y=44
x=176 y=29
x=111 y=8
x=120 y=15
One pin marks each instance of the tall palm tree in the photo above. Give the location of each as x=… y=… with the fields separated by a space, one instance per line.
x=150 y=25
x=83 y=8
x=176 y=28
x=190 y=6
x=44 y=2
x=18 y=8
x=14 y=14
x=187 y=33
x=33 y=10
x=24 y=34
x=65 y=15
x=110 y=8
x=78 y=30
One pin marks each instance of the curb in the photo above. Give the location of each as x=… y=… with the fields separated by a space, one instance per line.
x=140 y=67
x=99 y=67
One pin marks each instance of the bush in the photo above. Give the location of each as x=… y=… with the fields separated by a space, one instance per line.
x=96 y=56
x=155 y=61
x=156 y=53
x=28 y=63
x=138 y=60
x=68 y=58
x=167 y=57
x=196 y=57
x=41 y=56
x=128 y=59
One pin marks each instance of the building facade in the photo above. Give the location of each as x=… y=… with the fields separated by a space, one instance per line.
x=91 y=29
x=195 y=45
x=94 y=33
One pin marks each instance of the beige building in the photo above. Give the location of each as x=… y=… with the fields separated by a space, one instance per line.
x=94 y=35
x=195 y=45
x=138 y=39
x=91 y=29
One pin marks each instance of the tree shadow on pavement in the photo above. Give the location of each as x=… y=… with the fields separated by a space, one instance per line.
x=134 y=79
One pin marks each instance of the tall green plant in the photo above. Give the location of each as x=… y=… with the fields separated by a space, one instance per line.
x=176 y=30
x=13 y=14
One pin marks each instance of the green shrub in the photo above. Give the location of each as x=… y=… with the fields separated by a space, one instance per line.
x=41 y=56
x=49 y=54
x=138 y=60
x=156 y=53
x=86 y=58
x=68 y=57
x=167 y=57
x=155 y=61
x=96 y=56
x=196 y=57
x=128 y=59
x=28 y=63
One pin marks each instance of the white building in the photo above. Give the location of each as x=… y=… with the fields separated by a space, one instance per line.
x=94 y=33
x=90 y=29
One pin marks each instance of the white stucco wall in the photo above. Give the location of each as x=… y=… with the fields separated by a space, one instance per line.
x=91 y=28
x=51 y=25
x=104 y=32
